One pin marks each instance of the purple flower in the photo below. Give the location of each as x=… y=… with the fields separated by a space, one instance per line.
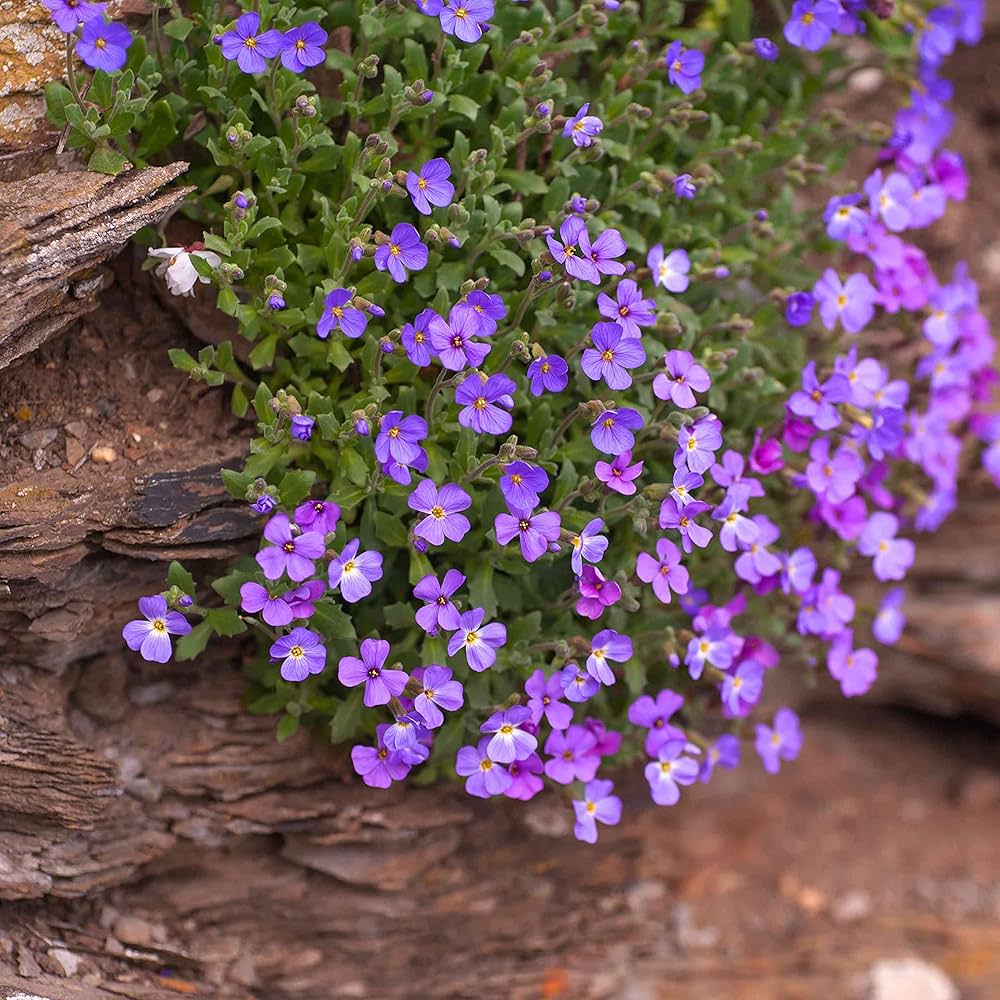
x=406 y=732
x=854 y=669
x=431 y=186
x=381 y=685
x=443 y=509
x=522 y=485
x=682 y=518
x=299 y=602
x=697 y=444
x=301 y=653
x=490 y=310
x=607 y=645
x=619 y=474
x=102 y=44
x=303 y=47
x=264 y=504
x=589 y=544
x=526 y=782
x=724 y=752
x=891 y=200
x=439 y=611
x=597 y=806
x=67 y=14
x=572 y=755
x=611 y=432
x=729 y=474
x=602 y=253
x=712 y=647
x=318 y=515
x=416 y=338
x=612 y=355
x=685 y=187
x=479 y=641
x=548 y=374
x=438 y=690
x=403 y=253
x=534 y=531
x=150 y=635
x=544 y=699
x=685 y=483
x=577 y=684
x=799 y=308
x=765 y=49
x=582 y=127
x=453 y=340
x=301 y=428
x=852 y=301
x=655 y=716
x=484 y=776
x=833 y=477
x=681 y=380
x=672 y=769
x=509 y=741
x=890 y=621
x=379 y=766
x=568 y=252
x=798 y=570
x=355 y=572
x=484 y=402
x=338 y=314
x=684 y=67
x=289 y=553
x=670 y=271
x=742 y=689
x=596 y=593
x=398 y=436
x=812 y=23
x=892 y=556
x=843 y=217
x=631 y=311
x=664 y=572
x=816 y=400
x=782 y=742
x=826 y=610
x=465 y=18
x=736 y=531
x=766 y=455
x=249 y=49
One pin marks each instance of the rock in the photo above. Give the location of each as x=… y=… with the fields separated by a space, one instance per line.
x=40 y=438
x=980 y=789
x=909 y=979
x=74 y=451
x=76 y=428
x=103 y=453
x=26 y=964
x=133 y=930
x=62 y=962
x=852 y=907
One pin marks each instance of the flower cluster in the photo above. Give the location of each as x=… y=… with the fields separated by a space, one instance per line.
x=552 y=472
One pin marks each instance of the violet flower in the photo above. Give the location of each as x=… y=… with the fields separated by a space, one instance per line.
x=484 y=777
x=509 y=742
x=670 y=271
x=596 y=593
x=631 y=311
x=68 y=14
x=545 y=700
x=302 y=47
x=479 y=642
x=438 y=691
x=620 y=474
x=611 y=432
x=589 y=544
x=597 y=806
x=279 y=610
x=664 y=572
x=607 y=645
x=681 y=380
x=582 y=128
x=381 y=685
x=404 y=252
x=289 y=553
x=452 y=340
x=355 y=572
x=671 y=770
x=379 y=766
x=548 y=374
x=655 y=716
x=489 y=308
x=854 y=669
x=338 y=314
x=443 y=509
x=697 y=444
x=568 y=252
x=439 y=611
x=890 y=621
x=249 y=49
x=577 y=684
x=536 y=532
x=611 y=356
x=572 y=756
x=430 y=186
x=320 y=516
x=486 y=402
x=150 y=635
x=301 y=653
x=398 y=436
x=684 y=67
x=465 y=18
x=522 y=485
x=891 y=556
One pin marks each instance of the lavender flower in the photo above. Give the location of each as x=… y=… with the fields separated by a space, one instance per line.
x=582 y=128
x=522 y=485
x=684 y=67
x=611 y=432
x=724 y=752
x=741 y=690
x=569 y=253
x=431 y=186
x=381 y=685
x=545 y=700
x=290 y=553
x=631 y=311
x=685 y=187
x=484 y=776
x=281 y=609
x=404 y=252
x=799 y=308
x=68 y=14
x=854 y=669
x=602 y=253
x=102 y=44
x=302 y=47
x=713 y=647
x=589 y=544
x=782 y=742
x=490 y=310
x=597 y=805
x=485 y=403
x=891 y=556
x=438 y=691
x=318 y=515
x=816 y=400
x=664 y=572
x=526 y=782
x=612 y=355
x=812 y=23
x=301 y=427
x=577 y=684
x=681 y=380
x=339 y=314
x=890 y=621
x=607 y=645
x=765 y=49
x=465 y=19
x=596 y=593
x=572 y=756
x=852 y=302
x=247 y=47
x=452 y=340
x=301 y=653
x=655 y=716
x=697 y=444
x=620 y=474
x=379 y=766
x=509 y=741
x=416 y=337
x=443 y=509
x=150 y=635
x=682 y=519
x=536 y=532
x=479 y=641
x=355 y=572
x=671 y=770
x=670 y=271
x=548 y=374
x=398 y=436
x=439 y=611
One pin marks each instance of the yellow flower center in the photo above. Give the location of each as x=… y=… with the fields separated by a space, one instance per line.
x=607 y=355
x=159 y=625
x=438 y=513
x=394 y=432
x=394 y=249
x=349 y=566
x=250 y=43
x=506 y=729
x=337 y=311
x=297 y=652
x=421 y=183
x=471 y=638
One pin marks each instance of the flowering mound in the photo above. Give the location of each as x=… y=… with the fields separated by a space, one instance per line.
x=569 y=416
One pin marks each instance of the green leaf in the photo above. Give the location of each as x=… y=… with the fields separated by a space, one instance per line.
x=180 y=358
x=338 y=355
x=345 y=719
x=295 y=485
x=288 y=726
x=332 y=621
x=178 y=28
x=236 y=482
x=218 y=244
x=354 y=466
x=263 y=353
x=464 y=106
x=390 y=529
x=507 y=259
x=178 y=576
x=105 y=160
x=267 y=704
x=190 y=645
x=158 y=130
x=261 y=226
x=225 y=621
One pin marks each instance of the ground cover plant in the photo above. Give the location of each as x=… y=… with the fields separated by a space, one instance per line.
x=564 y=362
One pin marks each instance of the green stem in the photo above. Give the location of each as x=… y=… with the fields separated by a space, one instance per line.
x=71 y=75
x=432 y=395
x=272 y=99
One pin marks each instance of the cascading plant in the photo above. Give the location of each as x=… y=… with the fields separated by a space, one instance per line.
x=568 y=415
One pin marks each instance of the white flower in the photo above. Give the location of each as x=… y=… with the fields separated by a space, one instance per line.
x=179 y=271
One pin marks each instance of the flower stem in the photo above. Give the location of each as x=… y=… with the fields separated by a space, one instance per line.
x=71 y=75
